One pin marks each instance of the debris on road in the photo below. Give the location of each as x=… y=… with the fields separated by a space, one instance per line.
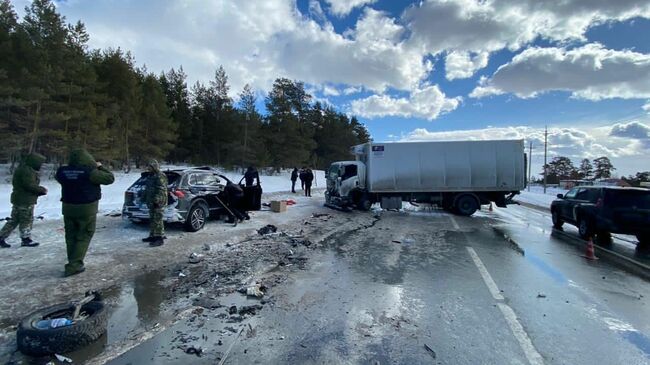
x=194 y=351
x=430 y=350
x=195 y=258
x=250 y=309
x=181 y=275
x=63 y=359
x=255 y=291
x=268 y=229
x=541 y=295
x=232 y=309
x=207 y=303
x=396 y=241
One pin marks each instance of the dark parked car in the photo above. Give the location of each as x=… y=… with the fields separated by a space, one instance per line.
x=192 y=197
x=601 y=211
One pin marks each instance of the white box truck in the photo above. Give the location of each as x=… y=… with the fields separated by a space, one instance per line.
x=459 y=176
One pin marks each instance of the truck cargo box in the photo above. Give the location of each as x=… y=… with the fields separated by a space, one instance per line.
x=445 y=166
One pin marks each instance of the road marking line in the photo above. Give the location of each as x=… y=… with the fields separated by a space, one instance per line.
x=533 y=357
x=492 y=286
x=453 y=221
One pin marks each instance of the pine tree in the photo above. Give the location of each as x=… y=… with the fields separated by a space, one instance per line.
x=603 y=168
x=178 y=101
x=585 y=170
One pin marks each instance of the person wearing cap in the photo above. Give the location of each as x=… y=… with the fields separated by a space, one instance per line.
x=81 y=181
x=26 y=190
x=155 y=195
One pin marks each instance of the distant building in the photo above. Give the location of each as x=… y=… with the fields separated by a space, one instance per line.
x=568 y=184
x=612 y=182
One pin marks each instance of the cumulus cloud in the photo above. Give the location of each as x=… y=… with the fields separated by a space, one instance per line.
x=342 y=8
x=461 y=65
x=427 y=103
x=255 y=41
x=488 y=26
x=589 y=72
x=632 y=130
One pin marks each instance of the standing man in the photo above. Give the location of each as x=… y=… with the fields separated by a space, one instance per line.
x=251 y=175
x=26 y=191
x=294 y=177
x=80 y=193
x=301 y=175
x=156 y=197
x=309 y=177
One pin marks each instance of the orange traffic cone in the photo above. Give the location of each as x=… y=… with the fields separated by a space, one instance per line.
x=589 y=254
x=490 y=209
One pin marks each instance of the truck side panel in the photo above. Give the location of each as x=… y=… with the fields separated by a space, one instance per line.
x=445 y=166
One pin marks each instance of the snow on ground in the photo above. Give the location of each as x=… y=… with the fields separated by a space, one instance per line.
x=49 y=206
x=537 y=197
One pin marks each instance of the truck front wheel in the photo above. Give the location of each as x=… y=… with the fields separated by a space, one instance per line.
x=466 y=205
x=363 y=203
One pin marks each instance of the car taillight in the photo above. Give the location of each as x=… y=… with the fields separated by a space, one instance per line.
x=599 y=203
x=179 y=194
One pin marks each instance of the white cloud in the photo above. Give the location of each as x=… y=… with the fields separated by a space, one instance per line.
x=351 y=90
x=575 y=143
x=488 y=26
x=633 y=130
x=255 y=41
x=646 y=106
x=427 y=103
x=589 y=72
x=330 y=91
x=342 y=8
x=462 y=64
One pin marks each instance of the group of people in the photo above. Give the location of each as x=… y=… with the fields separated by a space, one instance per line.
x=306 y=176
x=81 y=181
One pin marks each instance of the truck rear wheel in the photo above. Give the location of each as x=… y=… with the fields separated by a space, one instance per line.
x=466 y=205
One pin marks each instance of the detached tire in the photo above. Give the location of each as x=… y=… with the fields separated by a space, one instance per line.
x=41 y=342
x=196 y=217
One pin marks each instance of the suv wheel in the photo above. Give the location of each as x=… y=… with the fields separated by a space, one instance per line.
x=584 y=229
x=196 y=217
x=557 y=221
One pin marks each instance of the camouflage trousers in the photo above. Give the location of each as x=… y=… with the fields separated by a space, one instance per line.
x=22 y=216
x=156 y=224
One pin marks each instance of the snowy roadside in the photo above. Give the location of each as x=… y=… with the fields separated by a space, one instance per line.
x=537 y=197
x=32 y=277
x=49 y=206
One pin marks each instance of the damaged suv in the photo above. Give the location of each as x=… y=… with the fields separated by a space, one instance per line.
x=192 y=197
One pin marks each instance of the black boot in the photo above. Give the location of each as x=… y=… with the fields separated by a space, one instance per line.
x=27 y=242
x=148 y=239
x=4 y=244
x=156 y=241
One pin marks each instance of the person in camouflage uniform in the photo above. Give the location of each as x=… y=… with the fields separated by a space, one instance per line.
x=26 y=191
x=155 y=196
x=80 y=193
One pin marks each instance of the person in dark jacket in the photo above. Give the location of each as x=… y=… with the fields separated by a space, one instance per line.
x=26 y=190
x=80 y=193
x=294 y=177
x=155 y=195
x=251 y=175
x=233 y=197
x=301 y=175
x=309 y=178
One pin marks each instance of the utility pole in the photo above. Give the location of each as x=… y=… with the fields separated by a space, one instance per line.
x=530 y=163
x=545 y=151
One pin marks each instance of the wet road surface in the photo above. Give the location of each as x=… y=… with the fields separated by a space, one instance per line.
x=380 y=294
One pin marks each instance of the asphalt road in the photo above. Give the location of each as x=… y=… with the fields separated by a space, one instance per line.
x=428 y=287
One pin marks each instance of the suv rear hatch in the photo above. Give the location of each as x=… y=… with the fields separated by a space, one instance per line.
x=630 y=208
x=134 y=195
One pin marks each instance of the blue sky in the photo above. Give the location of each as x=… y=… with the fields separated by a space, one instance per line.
x=418 y=70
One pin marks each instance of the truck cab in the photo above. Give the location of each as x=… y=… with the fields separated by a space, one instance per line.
x=346 y=181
